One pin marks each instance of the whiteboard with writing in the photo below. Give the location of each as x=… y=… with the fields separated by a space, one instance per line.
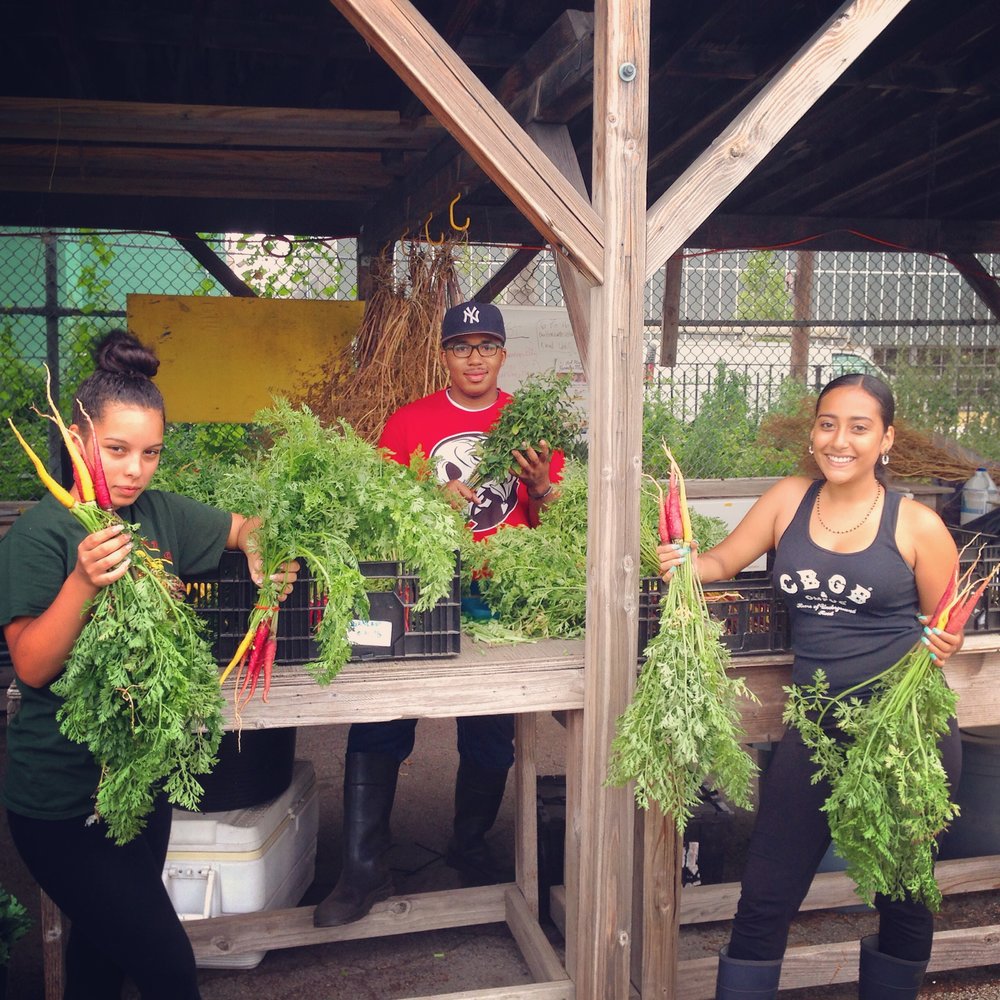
x=540 y=339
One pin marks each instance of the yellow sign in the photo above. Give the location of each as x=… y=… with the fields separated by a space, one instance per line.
x=223 y=359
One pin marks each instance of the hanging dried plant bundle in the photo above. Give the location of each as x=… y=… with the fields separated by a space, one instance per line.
x=915 y=454
x=395 y=355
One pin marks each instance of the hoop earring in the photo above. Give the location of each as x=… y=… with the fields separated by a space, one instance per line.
x=885 y=458
x=810 y=449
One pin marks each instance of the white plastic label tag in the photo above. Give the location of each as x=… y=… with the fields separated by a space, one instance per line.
x=369 y=633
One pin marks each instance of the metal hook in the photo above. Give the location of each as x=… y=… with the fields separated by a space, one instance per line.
x=433 y=243
x=451 y=215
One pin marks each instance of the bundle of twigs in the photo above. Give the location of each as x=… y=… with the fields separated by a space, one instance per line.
x=395 y=354
x=915 y=454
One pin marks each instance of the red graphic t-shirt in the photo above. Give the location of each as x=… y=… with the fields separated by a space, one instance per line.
x=447 y=434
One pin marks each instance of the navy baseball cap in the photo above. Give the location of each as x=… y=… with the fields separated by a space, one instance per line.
x=473 y=317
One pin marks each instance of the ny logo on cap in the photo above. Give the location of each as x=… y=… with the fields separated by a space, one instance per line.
x=470 y=315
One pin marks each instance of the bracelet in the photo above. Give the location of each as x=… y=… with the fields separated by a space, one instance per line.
x=542 y=496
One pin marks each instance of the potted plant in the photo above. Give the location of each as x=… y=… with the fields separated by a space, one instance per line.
x=14 y=924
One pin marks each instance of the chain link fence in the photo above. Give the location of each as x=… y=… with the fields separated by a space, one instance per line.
x=746 y=332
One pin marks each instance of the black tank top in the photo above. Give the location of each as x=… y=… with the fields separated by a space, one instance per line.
x=852 y=614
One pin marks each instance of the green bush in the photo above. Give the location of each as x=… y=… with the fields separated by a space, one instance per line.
x=723 y=440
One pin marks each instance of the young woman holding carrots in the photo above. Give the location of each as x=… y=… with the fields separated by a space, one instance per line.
x=859 y=568
x=123 y=923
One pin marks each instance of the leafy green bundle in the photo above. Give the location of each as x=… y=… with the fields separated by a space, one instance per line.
x=541 y=410
x=141 y=691
x=331 y=499
x=889 y=796
x=535 y=579
x=683 y=724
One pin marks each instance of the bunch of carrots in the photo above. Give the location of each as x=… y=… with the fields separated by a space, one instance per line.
x=254 y=657
x=139 y=688
x=889 y=797
x=683 y=725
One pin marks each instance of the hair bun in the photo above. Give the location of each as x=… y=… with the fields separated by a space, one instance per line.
x=123 y=354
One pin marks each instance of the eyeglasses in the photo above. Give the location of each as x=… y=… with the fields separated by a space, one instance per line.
x=487 y=349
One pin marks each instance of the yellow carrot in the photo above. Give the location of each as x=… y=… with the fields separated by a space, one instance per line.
x=63 y=496
x=685 y=513
x=81 y=472
x=237 y=656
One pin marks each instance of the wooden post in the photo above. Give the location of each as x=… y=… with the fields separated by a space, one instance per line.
x=621 y=94
x=805 y=267
x=657 y=904
x=670 y=328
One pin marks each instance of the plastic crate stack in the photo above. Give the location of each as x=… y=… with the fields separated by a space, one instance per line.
x=755 y=618
x=393 y=630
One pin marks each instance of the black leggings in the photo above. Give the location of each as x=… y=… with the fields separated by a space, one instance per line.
x=789 y=839
x=123 y=923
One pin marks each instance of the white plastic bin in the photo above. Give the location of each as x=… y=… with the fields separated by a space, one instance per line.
x=261 y=857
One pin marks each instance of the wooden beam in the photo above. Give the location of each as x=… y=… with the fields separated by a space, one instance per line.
x=330 y=218
x=827 y=964
x=55 y=119
x=555 y=142
x=621 y=104
x=984 y=284
x=553 y=78
x=670 y=324
x=190 y=172
x=215 y=265
x=768 y=117
x=456 y=97
x=509 y=270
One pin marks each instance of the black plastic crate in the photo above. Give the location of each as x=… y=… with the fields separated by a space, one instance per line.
x=755 y=617
x=393 y=630
x=986 y=617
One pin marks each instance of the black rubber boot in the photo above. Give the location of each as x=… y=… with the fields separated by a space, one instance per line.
x=740 y=980
x=369 y=789
x=882 y=977
x=478 y=794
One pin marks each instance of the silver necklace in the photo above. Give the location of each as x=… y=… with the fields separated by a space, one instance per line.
x=848 y=531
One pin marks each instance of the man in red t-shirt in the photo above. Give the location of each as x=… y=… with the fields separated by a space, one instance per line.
x=445 y=427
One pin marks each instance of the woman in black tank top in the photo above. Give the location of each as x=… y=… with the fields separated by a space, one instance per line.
x=856 y=566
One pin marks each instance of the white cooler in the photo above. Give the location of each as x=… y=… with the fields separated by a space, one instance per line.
x=243 y=860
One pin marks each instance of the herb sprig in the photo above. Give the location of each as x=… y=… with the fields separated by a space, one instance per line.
x=541 y=410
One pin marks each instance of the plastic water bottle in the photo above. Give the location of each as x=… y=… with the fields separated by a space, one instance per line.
x=978 y=496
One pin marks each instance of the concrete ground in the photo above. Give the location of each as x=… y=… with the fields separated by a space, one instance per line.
x=452 y=960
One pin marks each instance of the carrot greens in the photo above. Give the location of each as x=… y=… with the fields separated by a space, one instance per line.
x=683 y=724
x=889 y=793
x=328 y=498
x=541 y=410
